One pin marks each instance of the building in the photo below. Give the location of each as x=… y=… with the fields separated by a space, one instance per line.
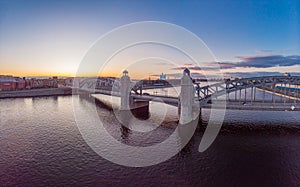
x=35 y=83
x=69 y=81
x=163 y=76
x=7 y=83
x=61 y=82
x=21 y=83
x=10 y=83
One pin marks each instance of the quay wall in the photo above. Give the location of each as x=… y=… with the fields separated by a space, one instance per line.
x=36 y=92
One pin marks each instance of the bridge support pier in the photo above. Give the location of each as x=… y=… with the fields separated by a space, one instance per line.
x=129 y=108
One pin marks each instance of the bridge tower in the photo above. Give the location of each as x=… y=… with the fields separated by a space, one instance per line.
x=186 y=98
x=125 y=91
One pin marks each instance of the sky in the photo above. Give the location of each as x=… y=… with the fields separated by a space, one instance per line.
x=47 y=38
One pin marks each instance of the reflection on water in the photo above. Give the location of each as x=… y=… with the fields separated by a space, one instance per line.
x=40 y=145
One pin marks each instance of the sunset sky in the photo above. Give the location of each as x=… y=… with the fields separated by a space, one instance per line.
x=247 y=38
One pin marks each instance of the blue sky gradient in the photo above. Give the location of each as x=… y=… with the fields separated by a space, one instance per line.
x=51 y=37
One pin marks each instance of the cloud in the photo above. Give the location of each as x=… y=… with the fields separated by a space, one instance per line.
x=163 y=64
x=179 y=75
x=187 y=64
x=178 y=68
x=195 y=68
x=227 y=65
x=263 y=61
x=266 y=61
x=198 y=68
x=263 y=51
x=257 y=74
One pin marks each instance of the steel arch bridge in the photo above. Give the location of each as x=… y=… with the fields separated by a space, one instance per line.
x=206 y=93
x=213 y=92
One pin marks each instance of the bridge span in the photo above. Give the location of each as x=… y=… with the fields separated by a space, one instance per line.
x=236 y=94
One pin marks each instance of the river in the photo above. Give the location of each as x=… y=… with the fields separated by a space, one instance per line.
x=40 y=145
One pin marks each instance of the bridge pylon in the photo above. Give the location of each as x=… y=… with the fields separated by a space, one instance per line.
x=186 y=98
x=125 y=89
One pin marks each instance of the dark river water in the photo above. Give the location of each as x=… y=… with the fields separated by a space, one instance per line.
x=41 y=145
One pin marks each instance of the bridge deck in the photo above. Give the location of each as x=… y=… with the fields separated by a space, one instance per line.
x=232 y=105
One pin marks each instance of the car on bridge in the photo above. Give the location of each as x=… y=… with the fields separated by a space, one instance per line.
x=246 y=104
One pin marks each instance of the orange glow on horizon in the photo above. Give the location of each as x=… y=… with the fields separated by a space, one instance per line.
x=44 y=74
x=35 y=74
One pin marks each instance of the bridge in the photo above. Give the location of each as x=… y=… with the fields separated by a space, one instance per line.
x=277 y=93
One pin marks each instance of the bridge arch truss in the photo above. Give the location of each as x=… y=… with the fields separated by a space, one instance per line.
x=207 y=93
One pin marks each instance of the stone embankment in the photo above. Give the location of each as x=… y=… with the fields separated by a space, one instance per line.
x=36 y=92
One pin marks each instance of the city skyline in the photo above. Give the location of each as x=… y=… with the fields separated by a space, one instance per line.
x=51 y=38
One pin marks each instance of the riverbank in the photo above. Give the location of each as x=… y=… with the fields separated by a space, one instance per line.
x=36 y=92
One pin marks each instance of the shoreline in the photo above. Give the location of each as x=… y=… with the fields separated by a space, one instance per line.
x=43 y=92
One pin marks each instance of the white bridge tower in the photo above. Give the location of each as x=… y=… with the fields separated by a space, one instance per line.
x=186 y=98
x=125 y=89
